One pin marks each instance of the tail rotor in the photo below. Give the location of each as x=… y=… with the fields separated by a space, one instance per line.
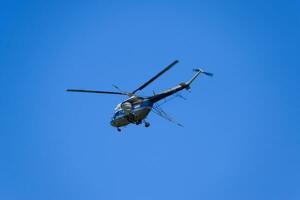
x=203 y=72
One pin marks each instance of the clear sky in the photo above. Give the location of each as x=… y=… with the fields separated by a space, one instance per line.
x=241 y=138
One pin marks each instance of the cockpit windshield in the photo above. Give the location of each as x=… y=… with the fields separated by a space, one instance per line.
x=118 y=107
x=118 y=113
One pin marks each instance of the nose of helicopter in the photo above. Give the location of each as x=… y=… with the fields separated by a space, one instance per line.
x=112 y=123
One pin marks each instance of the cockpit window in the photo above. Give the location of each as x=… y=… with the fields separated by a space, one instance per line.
x=117 y=113
x=118 y=107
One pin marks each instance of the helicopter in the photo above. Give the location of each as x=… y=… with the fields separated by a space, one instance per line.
x=135 y=109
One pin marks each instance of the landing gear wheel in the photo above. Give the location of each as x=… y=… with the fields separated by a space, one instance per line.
x=147 y=124
x=118 y=129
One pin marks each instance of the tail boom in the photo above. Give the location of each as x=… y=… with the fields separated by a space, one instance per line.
x=178 y=88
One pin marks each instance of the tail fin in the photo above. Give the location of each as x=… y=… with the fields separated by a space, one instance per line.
x=198 y=72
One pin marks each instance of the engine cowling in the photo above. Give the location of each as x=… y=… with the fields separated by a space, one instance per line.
x=127 y=107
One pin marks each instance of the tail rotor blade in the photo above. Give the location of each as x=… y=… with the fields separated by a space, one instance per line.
x=203 y=72
x=208 y=74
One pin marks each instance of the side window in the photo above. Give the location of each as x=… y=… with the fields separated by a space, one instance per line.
x=118 y=113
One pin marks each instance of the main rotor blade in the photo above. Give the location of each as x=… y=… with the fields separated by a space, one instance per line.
x=95 y=91
x=156 y=76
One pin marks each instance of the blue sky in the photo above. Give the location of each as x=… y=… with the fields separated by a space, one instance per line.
x=241 y=136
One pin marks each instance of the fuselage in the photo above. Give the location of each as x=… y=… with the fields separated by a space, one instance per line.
x=135 y=109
